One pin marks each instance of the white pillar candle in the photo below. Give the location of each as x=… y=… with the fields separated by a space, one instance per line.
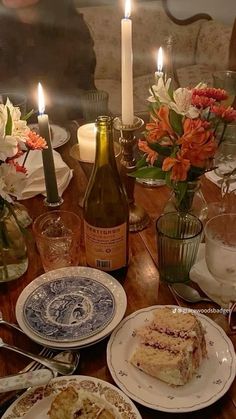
x=127 y=67
x=159 y=72
x=48 y=161
x=86 y=135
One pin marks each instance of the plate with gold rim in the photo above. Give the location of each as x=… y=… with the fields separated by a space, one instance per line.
x=210 y=383
x=35 y=403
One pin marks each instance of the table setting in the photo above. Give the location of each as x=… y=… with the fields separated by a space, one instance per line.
x=118 y=298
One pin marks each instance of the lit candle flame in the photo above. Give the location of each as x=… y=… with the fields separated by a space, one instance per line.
x=127 y=9
x=160 y=60
x=41 y=102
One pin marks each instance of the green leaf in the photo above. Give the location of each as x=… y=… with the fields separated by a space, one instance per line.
x=142 y=162
x=176 y=122
x=168 y=179
x=161 y=149
x=195 y=172
x=8 y=129
x=181 y=187
x=149 y=172
x=28 y=115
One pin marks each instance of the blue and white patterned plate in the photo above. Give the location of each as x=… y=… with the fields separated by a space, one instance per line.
x=69 y=308
x=118 y=293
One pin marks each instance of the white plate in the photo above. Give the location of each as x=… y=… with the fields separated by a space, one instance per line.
x=59 y=135
x=213 y=379
x=107 y=280
x=36 y=402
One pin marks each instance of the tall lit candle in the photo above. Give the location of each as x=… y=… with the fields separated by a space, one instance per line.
x=127 y=67
x=48 y=161
x=159 y=72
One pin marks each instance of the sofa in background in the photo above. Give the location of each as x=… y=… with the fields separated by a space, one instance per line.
x=201 y=46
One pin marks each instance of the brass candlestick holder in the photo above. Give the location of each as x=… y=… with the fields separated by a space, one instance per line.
x=138 y=218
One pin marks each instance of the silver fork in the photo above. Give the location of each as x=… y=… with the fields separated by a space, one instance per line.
x=32 y=366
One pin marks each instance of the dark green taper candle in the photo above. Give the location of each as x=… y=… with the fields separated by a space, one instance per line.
x=48 y=161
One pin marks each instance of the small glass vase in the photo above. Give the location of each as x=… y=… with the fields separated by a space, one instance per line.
x=13 y=250
x=192 y=202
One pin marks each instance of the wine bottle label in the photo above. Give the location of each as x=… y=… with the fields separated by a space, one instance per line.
x=106 y=247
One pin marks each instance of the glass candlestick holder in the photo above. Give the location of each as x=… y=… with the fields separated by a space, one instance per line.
x=138 y=218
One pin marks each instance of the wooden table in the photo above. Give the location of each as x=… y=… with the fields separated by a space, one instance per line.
x=141 y=285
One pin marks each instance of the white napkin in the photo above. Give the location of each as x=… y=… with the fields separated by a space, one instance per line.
x=218 y=180
x=35 y=183
x=219 y=292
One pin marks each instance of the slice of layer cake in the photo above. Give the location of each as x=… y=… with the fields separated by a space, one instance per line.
x=71 y=403
x=171 y=347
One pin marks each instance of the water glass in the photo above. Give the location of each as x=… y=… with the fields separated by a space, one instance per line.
x=94 y=103
x=178 y=239
x=226 y=80
x=57 y=235
x=225 y=159
x=220 y=235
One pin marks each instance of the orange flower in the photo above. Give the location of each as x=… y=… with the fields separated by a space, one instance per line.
x=151 y=154
x=179 y=165
x=35 y=142
x=202 y=102
x=227 y=114
x=195 y=131
x=199 y=155
x=211 y=92
x=161 y=126
x=18 y=167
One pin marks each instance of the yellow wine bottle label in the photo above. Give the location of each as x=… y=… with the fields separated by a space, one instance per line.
x=106 y=247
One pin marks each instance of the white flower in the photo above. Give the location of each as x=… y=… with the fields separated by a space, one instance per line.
x=14 y=110
x=201 y=85
x=161 y=91
x=182 y=103
x=11 y=181
x=20 y=130
x=8 y=147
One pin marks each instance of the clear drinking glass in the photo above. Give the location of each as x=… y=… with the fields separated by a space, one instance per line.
x=220 y=235
x=178 y=239
x=57 y=235
x=225 y=159
x=94 y=103
x=226 y=80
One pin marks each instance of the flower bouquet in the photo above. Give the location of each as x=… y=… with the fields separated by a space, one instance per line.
x=180 y=140
x=16 y=139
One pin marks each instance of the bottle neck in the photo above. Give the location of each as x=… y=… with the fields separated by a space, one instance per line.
x=104 y=143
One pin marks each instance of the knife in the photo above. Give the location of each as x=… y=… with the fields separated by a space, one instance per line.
x=25 y=380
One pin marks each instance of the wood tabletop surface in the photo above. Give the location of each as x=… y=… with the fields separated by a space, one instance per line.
x=141 y=285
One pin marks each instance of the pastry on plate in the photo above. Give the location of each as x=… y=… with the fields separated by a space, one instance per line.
x=71 y=403
x=171 y=347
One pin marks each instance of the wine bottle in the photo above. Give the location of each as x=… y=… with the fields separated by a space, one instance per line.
x=106 y=210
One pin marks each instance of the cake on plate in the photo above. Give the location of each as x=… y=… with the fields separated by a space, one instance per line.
x=171 y=347
x=71 y=403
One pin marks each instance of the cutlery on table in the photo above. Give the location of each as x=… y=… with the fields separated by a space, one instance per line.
x=63 y=368
x=31 y=368
x=25 y=380
x=188 y=293
x=13 y=325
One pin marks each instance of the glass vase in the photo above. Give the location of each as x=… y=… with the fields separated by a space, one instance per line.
x=192 y=202
x=13 y=251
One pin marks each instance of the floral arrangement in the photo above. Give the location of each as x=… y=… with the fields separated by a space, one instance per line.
x=16 y=139
x=180 y=140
